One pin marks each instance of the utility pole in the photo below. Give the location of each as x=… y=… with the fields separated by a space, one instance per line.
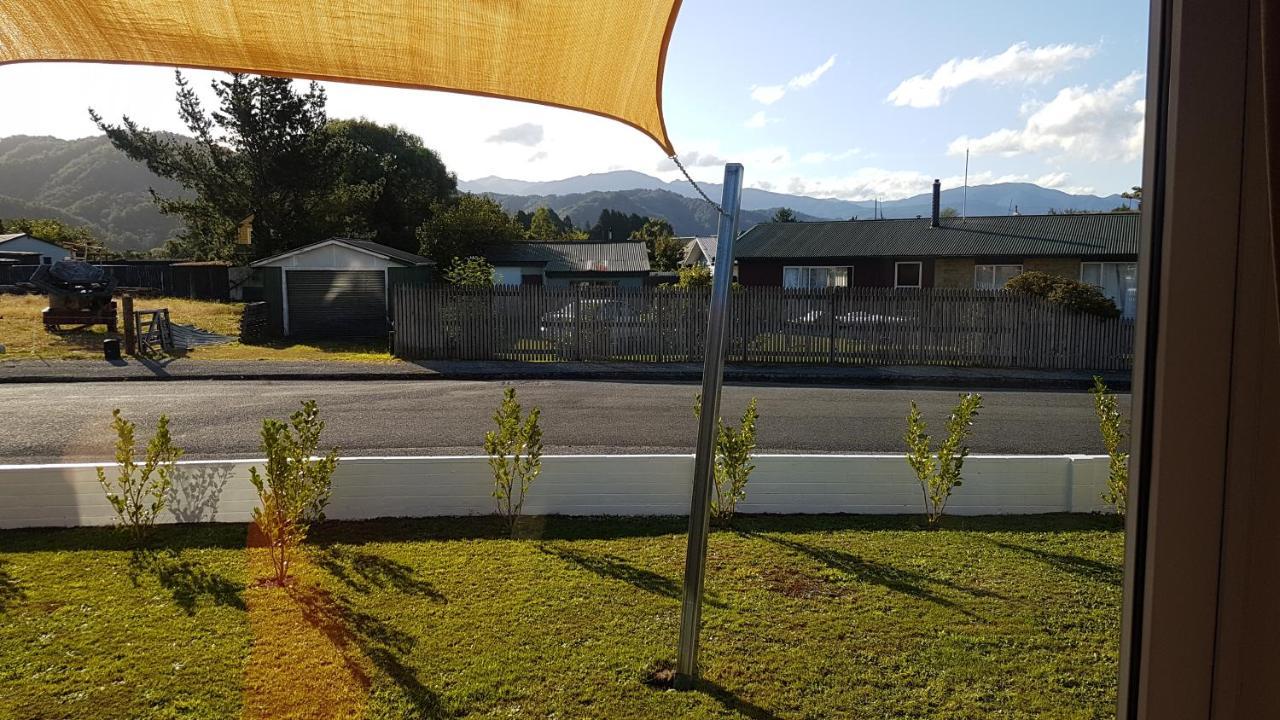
x=695 y=561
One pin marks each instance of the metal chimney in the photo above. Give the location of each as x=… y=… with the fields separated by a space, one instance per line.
x=937 y=202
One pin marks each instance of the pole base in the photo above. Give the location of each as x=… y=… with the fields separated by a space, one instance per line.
x=684 y=682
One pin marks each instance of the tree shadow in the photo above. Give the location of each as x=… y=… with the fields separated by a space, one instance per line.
x=1073 y=564
x=733 y=703
x=616 y=568
x=185 y=580
x=907 y=582
x=355 y=634
x=195 y=492
x=10 y=589
x=365 y=572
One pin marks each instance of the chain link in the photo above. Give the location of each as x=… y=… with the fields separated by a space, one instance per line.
x=695 y=185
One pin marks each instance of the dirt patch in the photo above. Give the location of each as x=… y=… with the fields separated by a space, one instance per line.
x=661 y=675
x=794 y=583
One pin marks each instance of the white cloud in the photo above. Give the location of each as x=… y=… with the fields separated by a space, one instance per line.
x=529 y=134
x=691 y=159
x=1103 y=123
x=770 y=94
x=767 y=94
x=871 y=182
x=1019 y=64
x=804 y=80
x=759 y=120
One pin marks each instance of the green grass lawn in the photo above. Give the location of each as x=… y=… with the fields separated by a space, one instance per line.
x=806 y=617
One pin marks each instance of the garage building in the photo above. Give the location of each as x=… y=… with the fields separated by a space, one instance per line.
x=336 y=288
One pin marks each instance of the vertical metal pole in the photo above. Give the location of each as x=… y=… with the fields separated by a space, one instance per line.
x=695 y=562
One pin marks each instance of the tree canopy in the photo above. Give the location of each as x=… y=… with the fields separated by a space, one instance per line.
x=615 y=225
x=463 y=227
x=264 y=153
x=404 y=177
x=665 y=252
x=784 y=215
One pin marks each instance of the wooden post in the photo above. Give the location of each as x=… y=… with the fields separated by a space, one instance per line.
x=130 y=337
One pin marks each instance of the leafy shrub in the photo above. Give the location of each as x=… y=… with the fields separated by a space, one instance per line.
x=295 y=489
x=733 y=465
x=694 y=276
x=1069 y=293
x=939 y=472
x=515 y=456
x=471 y=272
x=140 y=492
x=1109 y=422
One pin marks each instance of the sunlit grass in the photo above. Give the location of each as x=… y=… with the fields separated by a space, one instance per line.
x=24 y=336
x=806 y=617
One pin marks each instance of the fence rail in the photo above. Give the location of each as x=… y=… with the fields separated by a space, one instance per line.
x=844 y=326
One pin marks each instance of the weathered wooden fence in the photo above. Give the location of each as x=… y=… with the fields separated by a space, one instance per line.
x=843 y=326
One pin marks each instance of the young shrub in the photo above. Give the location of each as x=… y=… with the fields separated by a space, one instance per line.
x=515 y=456
x=939 y=473
x=140 y=491
x=733 y=466
x=294 y=491
x=1109 y=422
x=473 y=272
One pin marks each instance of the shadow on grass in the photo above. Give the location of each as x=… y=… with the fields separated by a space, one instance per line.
x=10 y=589
x=185 y=580
x=355 y=633
x=616 y=568
x=907 y=582
x=1073 y=564
x=733 y=703
x=365 y=572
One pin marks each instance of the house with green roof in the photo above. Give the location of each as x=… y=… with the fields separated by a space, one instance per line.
x=977 y=252
x=562 y=264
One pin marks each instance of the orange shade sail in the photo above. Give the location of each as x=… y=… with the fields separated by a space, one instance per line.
x=600 y=56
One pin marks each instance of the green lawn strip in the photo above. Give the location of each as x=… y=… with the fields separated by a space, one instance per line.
x=806 y=617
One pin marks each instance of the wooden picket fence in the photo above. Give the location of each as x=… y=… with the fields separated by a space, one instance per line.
x=841 y=326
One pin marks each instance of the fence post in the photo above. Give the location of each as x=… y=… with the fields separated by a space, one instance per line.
x=577 y=322
x=831 y=326
x=130 y=338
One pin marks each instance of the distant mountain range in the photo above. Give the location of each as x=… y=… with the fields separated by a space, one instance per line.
x=88 y=182
x=581 y=196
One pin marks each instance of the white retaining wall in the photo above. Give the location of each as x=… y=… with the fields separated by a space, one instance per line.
x=208 y=491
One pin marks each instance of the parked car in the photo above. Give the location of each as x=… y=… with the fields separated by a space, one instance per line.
x=605 y=325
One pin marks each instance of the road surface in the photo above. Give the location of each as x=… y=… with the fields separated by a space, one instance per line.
x=221 y=419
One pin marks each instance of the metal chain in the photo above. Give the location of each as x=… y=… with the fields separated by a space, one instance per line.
x=695 y=185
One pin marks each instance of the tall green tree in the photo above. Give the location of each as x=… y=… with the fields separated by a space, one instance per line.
x=264 y=153
x=405 y=177
x=463 y=228
x=546 y=226
x=615 y=225
x=659 y=239
x=784 y=215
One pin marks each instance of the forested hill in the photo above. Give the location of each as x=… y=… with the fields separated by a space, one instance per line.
x=83 y=182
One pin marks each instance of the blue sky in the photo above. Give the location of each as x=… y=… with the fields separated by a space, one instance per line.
x=822 y=97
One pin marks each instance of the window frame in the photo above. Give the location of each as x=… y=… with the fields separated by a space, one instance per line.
x=806 y=268
x=919 y=275
x=993 y=266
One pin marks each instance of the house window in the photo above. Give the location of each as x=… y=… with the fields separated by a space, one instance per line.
x=994 y=277
x=908 y=274
x=1118 y=280
x=816 y=277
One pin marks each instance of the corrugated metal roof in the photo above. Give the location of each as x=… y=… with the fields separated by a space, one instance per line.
x=1030 y=235
x=388 y=251
x=627 y=257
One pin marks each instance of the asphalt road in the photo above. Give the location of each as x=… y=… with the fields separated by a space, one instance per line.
x=213 y=419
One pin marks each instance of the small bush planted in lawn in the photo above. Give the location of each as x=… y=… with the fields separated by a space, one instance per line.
x=295 y=489
x=515 y=455
x=939 y=472
x=1109 y=422
x=139 y=492
x=733 y=465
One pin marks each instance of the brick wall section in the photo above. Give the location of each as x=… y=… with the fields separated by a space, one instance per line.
x=1065 y=267
x=953 y=273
